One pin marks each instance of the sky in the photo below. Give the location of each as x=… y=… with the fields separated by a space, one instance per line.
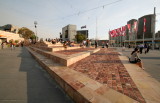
x=53 y=15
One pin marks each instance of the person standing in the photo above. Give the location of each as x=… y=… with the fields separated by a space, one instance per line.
x=12 y=46
x=145 y=48
x=106 y=44
x=89 y=43
x=22 y=43
x=129 y=46
x=103 y=44
x=2 y=45
x=96 y=44
x=84 y=42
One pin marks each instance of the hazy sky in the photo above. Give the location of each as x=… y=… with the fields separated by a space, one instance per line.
x=52 y=15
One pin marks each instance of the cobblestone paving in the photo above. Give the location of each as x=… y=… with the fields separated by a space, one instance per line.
x=105 y=67
x=70 y=52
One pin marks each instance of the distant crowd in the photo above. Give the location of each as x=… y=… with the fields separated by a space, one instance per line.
x=12 y=44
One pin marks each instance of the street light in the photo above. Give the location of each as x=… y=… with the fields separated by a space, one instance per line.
x=35 y=23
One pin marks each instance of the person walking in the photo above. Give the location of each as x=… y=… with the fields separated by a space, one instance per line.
x=141 y=48
x=145 y=48
x=148 y=47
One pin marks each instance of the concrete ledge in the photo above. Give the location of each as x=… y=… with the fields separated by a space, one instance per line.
x=78 y=86
x=54 y=48
x=62 y=48
x=65 y=60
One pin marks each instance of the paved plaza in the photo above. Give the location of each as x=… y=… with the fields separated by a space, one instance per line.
x=151 y=61
x=96 y=78
x=23 y=80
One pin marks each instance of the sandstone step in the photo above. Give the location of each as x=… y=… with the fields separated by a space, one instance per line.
x=65 y=60
x=78 y=86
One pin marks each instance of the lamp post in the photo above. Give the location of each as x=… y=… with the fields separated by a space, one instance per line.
x=35 y=23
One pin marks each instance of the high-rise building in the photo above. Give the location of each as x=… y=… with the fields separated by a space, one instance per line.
x=69 y=32
x=150 y=27
x=131 y=34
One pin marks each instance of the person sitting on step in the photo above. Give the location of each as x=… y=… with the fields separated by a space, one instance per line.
x=135 y=58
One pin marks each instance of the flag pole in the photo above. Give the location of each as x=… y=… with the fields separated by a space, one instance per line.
x=135 y=39
x=144 y=28
x=110 y=39
x=153 y=35
x=121 y=40
x=143 y=38
x=96 y=27
x=129 y=38
x=129 y=33
x=136 y=33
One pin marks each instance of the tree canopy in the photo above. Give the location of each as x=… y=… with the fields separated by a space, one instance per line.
x=80 y=37
x=26 y=33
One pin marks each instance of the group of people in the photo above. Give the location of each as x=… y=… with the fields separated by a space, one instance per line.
x=85 y=43
x=68 y=44
x=53 y=41
x=146 y=48
x=11 y=44
x=104 y=44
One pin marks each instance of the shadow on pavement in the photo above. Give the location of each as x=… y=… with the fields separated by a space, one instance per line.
x=150 y=58
x=41 y=88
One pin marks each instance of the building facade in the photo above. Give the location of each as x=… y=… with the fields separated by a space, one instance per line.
x=10 y=28
x=69 y=32
x=135 y=37
x=84 y=32
x=150 y=26
x=6 y=36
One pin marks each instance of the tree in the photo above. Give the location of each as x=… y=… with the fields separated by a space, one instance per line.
x=26 y=33
x=16 y=41
x=80 y=37
x=33 y=37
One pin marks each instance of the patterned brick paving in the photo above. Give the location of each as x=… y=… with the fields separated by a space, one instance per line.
x=105 y=67
x=70 y=52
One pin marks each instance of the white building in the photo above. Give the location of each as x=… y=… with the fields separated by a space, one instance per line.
x=6 y=36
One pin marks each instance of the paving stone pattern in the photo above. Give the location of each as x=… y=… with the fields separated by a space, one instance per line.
x=105 y=67
x=70 y=52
